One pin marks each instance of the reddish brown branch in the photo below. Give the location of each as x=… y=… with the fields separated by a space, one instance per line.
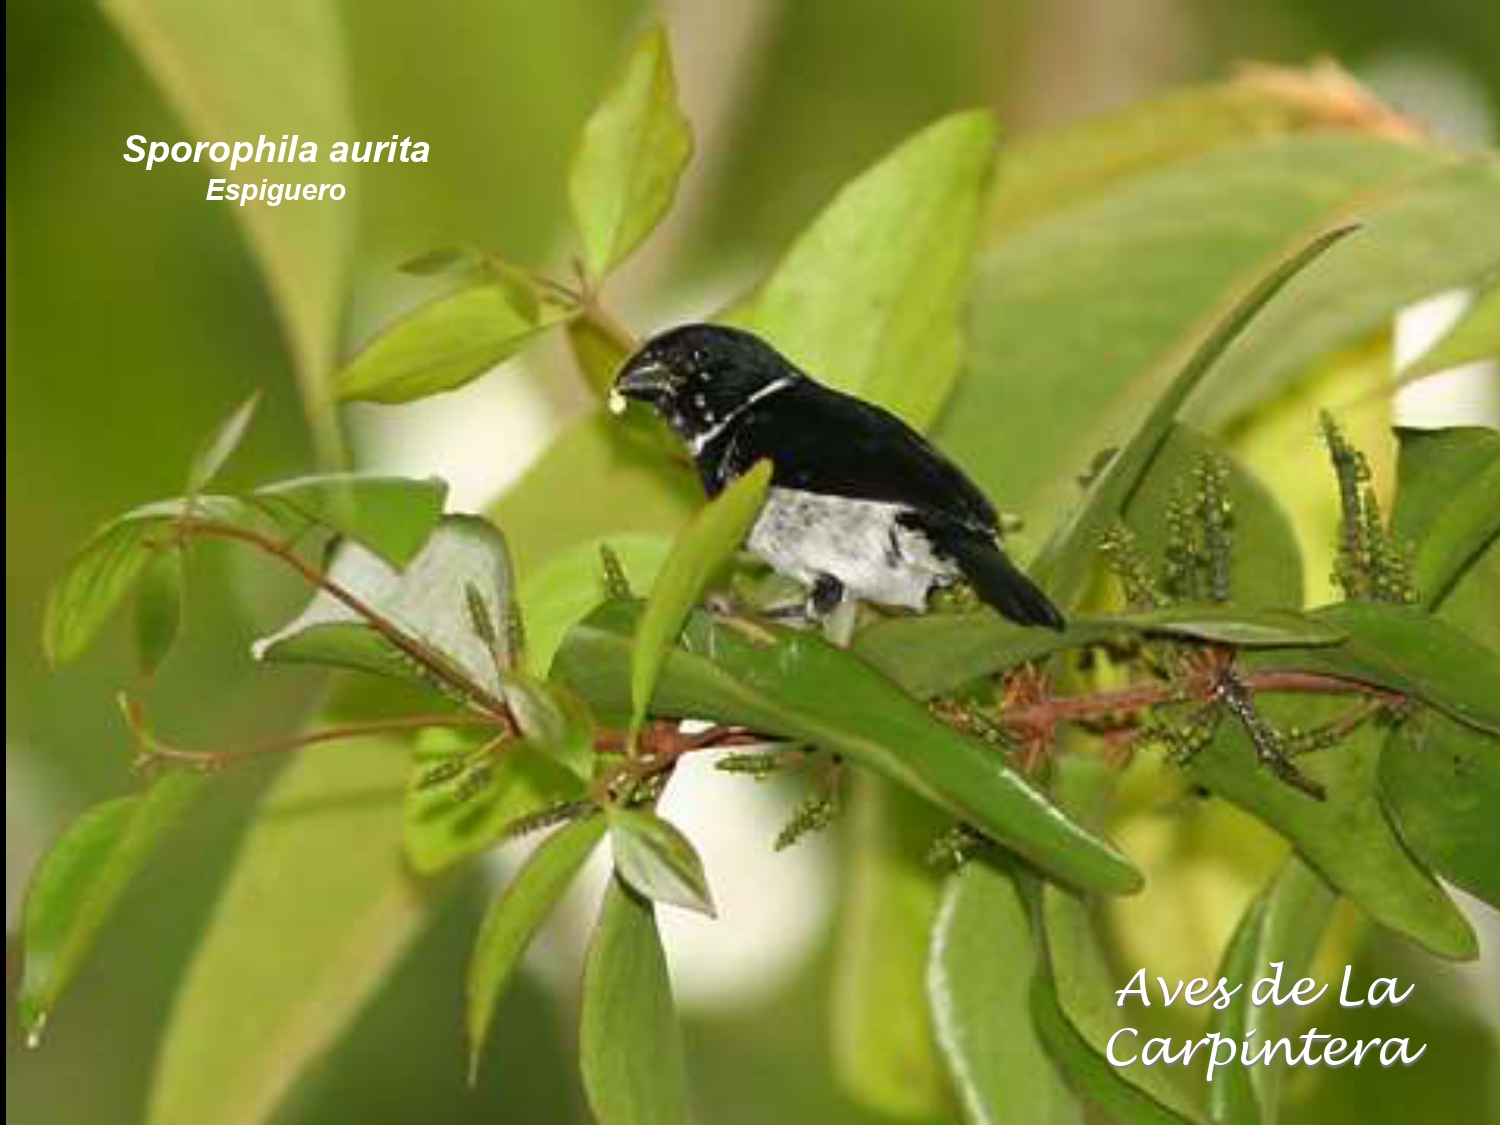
x=153 y=750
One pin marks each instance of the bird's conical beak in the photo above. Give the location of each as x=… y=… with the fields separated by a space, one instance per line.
x=642 y=379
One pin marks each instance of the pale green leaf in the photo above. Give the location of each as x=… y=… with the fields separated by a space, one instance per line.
x=870 y=297
x=77 y=883
x=703 y=547
x=443 y=345
x=884 y=1051
x=658 y=861
x=514 y=918
x=221 y=444
x=235 y=72
x=630 y=1046
x=318 y=906
x=632 y=152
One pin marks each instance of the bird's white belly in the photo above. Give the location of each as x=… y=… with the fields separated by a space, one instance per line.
x=860 y=542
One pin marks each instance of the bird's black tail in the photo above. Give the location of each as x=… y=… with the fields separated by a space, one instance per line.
x=999 y=582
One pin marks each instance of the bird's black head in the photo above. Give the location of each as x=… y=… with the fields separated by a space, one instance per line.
x=698 y=375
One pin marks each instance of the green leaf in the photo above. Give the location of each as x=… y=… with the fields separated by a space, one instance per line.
x=884 y=1050
x=630 y=1047
x=1440 y=780
x=448 y=822
x=1347 y=838
x=444 y=344
x=794 y=685
x=78 y=882
x=322 y=863
x=236 y=72
x=1088 y=1073
x=1157 y=259
x=1284 y=924
x=984 y=957
x=391 y=515
x=632 y=152
x=221 y=445
x=870 y=297
x=700 y=550
x=158 y=609
x=935 y=653
x=1443 y=208
x=658 y=861
x=1445 y=509
x=570 y=585
x=1053 y=170
x=1474 y=339
x=1402 y=649
x=1441 y=785
x=1079 y=974
x=428 y=601
x=514 y=918
x=1066 y=562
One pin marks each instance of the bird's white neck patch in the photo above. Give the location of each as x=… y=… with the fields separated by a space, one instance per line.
x=700 y=442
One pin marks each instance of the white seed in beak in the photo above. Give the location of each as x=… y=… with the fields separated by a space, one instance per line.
x=617 y=402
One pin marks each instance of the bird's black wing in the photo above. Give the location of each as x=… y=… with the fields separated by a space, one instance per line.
x=822 y=441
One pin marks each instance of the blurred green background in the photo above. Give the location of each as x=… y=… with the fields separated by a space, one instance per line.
x=136 y=317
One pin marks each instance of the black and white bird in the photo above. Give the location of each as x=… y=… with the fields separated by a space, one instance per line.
x=860 y=505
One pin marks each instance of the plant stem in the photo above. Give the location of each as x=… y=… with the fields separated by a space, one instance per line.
x=156 y=751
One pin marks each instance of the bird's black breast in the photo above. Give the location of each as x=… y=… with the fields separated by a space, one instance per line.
x=821 y=441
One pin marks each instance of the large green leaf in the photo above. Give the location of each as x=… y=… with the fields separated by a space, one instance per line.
x=704 y=546
x=1402 y=649
x=391 y=515
x=936 y=653
x=1056 y=169
x=1445 y=510
x=798 y=686
x=1284 y=925
x=1155 y=262
x=1065 y=563
x=657 y=860
x=979 y=979
x=632 y=152
x=1441 y=780
x=630 y=1047
x=1347 y=838
x=514 y=918
x=1089 y=1074
x=1420 y=236
x=445 y=344
x=317 y=908
x=884 y=1051
x=1082 y=1012
x=869 y=298
x=78 y=882
x=236 y=72
x=462 y=571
